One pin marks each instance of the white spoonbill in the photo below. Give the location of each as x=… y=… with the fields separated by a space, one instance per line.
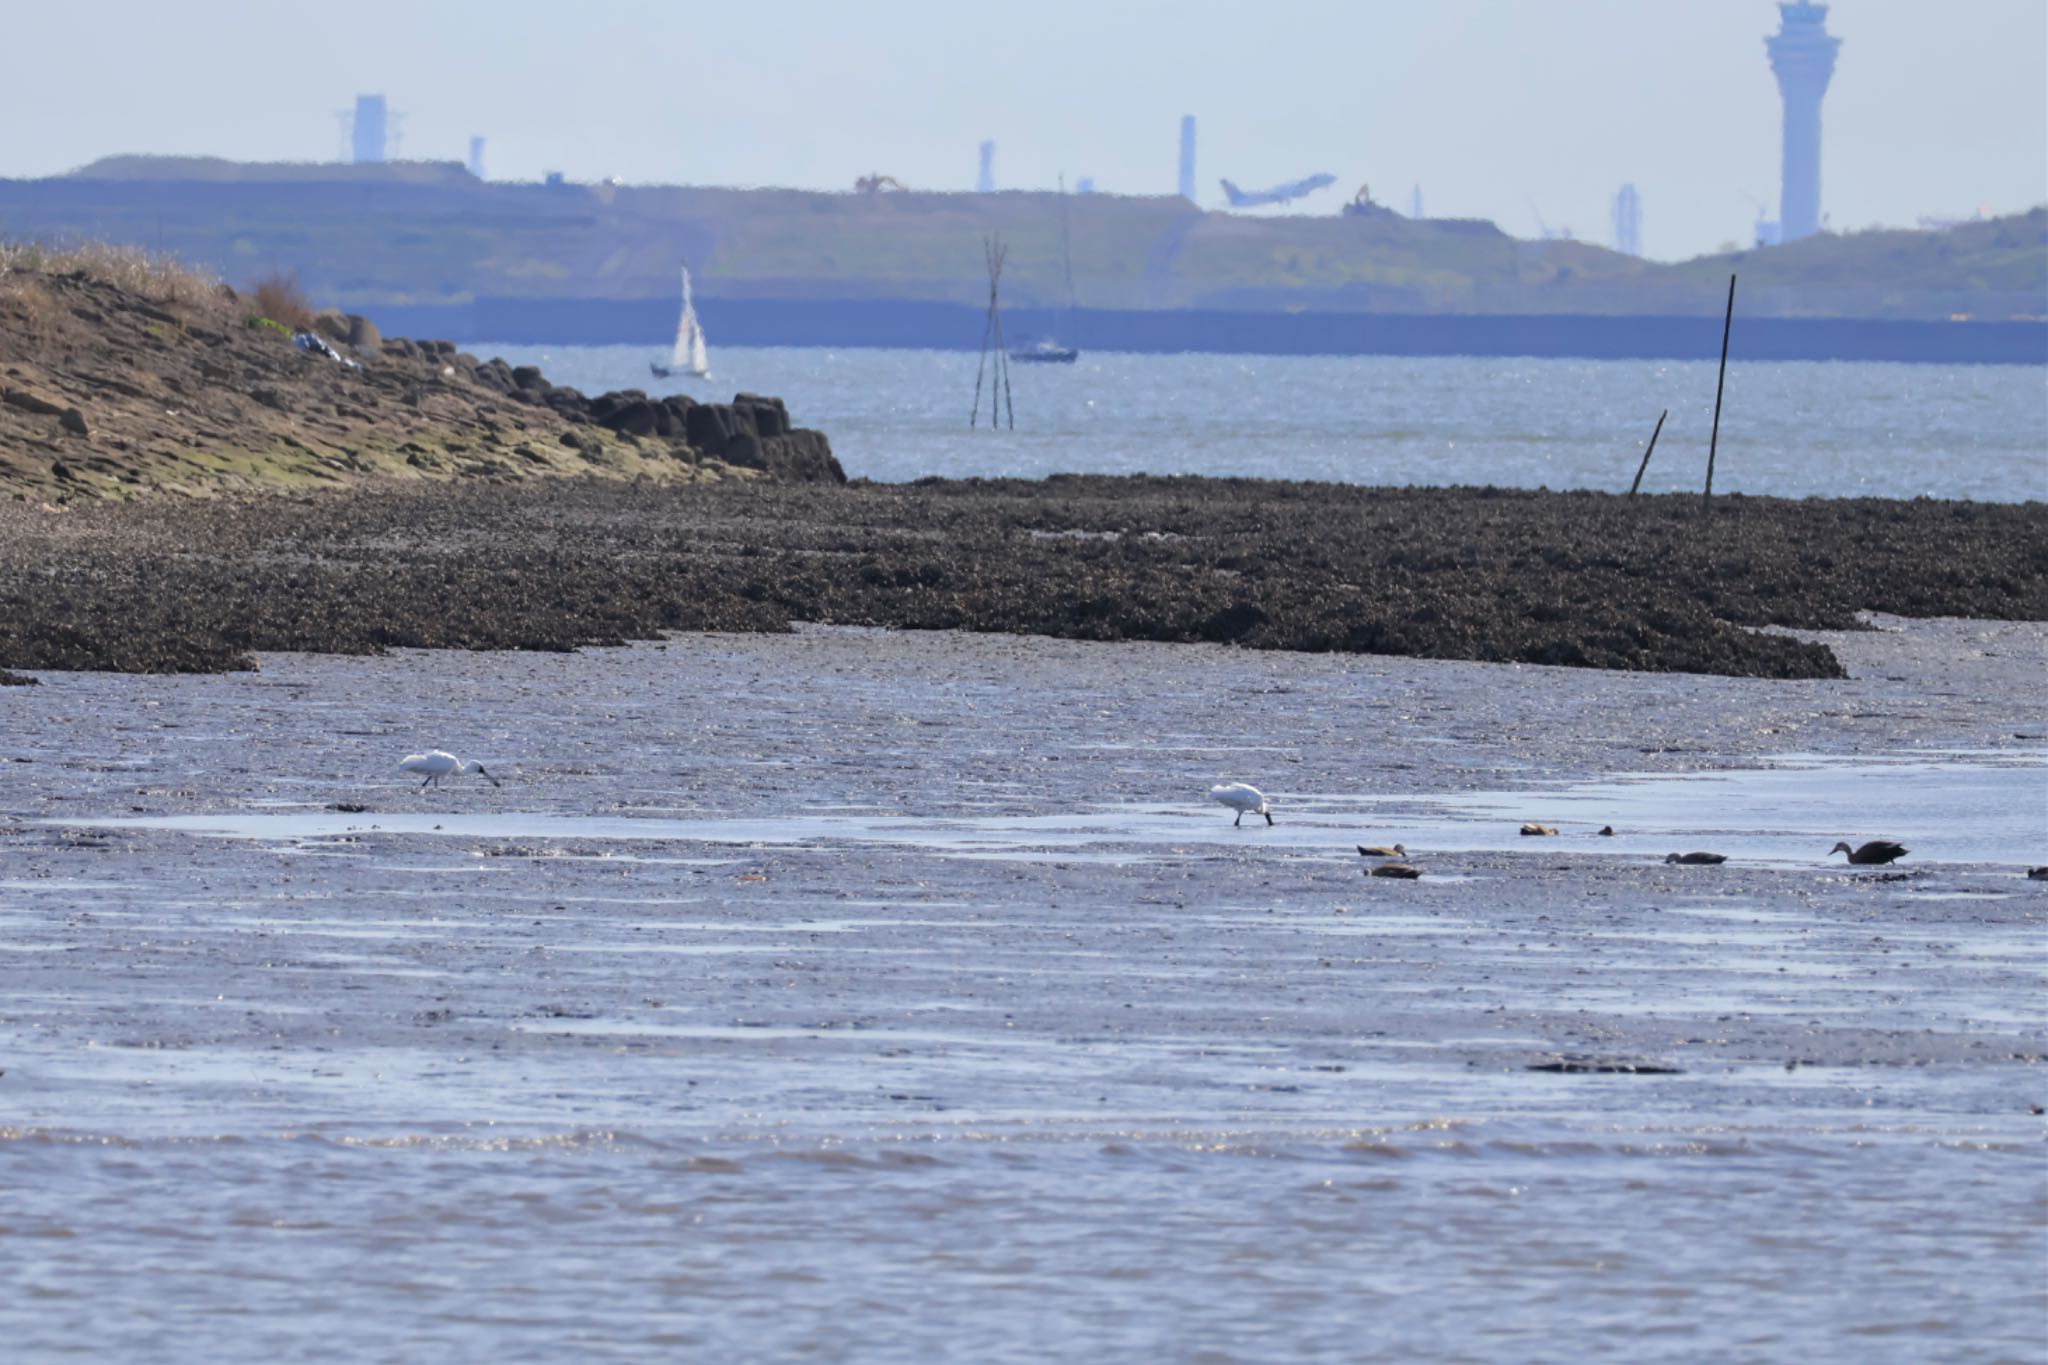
x=1243 y=798
x=439 y=763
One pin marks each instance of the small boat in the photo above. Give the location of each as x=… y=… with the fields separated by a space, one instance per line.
x=1045 y=351
x=688 y=356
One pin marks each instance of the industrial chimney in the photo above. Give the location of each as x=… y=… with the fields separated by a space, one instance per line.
x=369 y=136
x=1187 y=157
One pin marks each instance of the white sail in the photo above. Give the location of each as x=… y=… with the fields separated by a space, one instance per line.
x=689 y=356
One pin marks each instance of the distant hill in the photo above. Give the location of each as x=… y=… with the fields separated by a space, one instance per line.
x=428 y=233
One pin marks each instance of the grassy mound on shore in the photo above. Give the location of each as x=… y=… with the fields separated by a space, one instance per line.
x=123 y=374
x=1581 y=579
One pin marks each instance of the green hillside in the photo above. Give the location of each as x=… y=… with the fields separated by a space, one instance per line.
x=404 y=233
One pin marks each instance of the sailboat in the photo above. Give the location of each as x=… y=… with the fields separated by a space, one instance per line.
x=688 y=356
x=1047 y=350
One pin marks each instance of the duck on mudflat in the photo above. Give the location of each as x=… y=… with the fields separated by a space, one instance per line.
x=1382 y=851
x=1405 y=871
x=1876 y=852
x=1532 y=828
x=1697 y=859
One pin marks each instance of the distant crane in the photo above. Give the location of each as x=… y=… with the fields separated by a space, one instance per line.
x=1549 y=233
x=1768 y=232
x=875 y=184
x=1361 y=206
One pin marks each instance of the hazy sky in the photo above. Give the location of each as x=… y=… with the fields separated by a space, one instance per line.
x=1492 y=106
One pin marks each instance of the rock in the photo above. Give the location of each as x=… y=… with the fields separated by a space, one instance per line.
x=528 y=377
x=401 y=346
x=634 y=417
x=330 y=323
x=710 y=426
x=363 y=333
x=768 y=416
x=804 y=456
x=31 y=402
x=495 y=374
x=73 y=421
x=745 y=450
x=800 y=457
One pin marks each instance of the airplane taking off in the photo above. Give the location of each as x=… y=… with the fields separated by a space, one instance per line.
x=1279 y=194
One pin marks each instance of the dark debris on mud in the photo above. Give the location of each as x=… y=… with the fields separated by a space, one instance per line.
x=1579 y=579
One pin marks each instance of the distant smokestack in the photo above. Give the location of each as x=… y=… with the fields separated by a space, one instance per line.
x=1415 y=204
x=370 y=134
x=1187 y=157
x=476 y=157
x=985 y=183
x=1628 y=222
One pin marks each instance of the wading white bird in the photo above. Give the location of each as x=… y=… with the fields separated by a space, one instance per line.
x=439 y=763
x=1243 y=798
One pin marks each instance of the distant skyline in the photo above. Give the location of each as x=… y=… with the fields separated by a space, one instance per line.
x=1512 y=110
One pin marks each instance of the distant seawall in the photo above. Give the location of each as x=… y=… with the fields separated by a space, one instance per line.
x=945 y=326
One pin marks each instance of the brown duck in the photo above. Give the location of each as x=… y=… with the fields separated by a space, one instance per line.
x=1532 y=828
x=1382 y=851
x=1876 y=852
x=1697 y=859
x=1403 y=870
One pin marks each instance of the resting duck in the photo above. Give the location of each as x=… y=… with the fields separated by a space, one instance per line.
x=1382 y=851
x=1696 y=859
x=1403 y=870
x=1533 y=828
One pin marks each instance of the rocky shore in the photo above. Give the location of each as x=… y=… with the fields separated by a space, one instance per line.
x=1580 y=579
x=123 y=376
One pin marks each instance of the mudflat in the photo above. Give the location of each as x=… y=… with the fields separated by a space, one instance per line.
x=1582 y=579
x=876 y=994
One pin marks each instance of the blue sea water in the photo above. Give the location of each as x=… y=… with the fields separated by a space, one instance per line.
x=1791 y=428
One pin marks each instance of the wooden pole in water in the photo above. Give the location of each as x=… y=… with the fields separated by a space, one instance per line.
x=988 y=329
x=1714 y=441
x=1651 y=450
x=1002 y=357
x=994 y=253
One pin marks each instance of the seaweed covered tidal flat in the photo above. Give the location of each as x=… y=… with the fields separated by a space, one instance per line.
x=1580 y=579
